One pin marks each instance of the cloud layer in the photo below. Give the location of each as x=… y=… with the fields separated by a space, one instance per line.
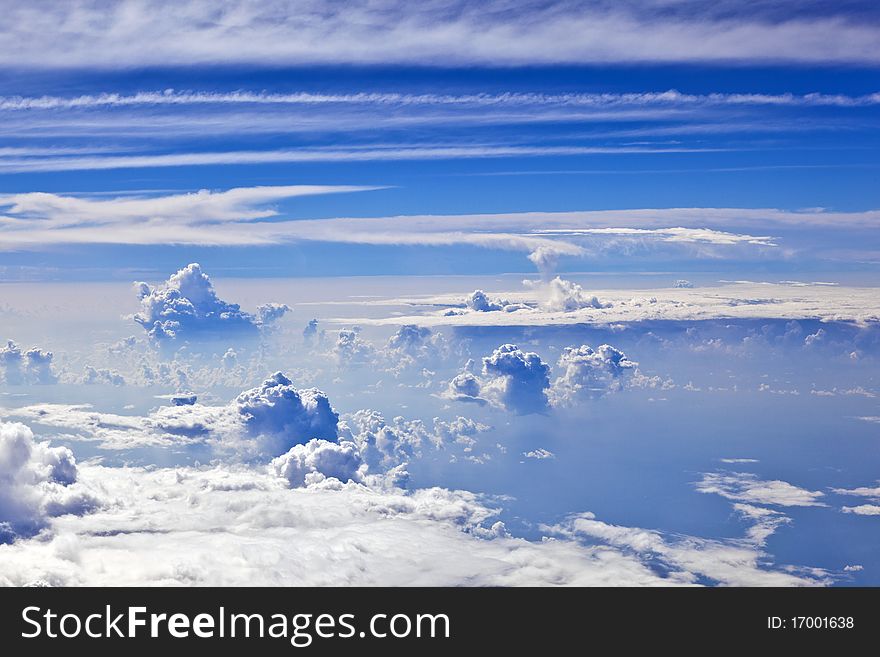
x=299 y=32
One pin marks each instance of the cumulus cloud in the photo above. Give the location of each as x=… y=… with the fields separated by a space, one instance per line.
x=747 y=487
x=480 y=302
x=266 y=420
x=465 y=387
x=33 y=366
x=36 y=482
x=515 y=379
x=588 y=372
x=186 y=307
x=285 y=415
x=566 y=296
x=268 y=313
x=101 y=376
x=350 y=349
x=383 y=445
x=317 y=460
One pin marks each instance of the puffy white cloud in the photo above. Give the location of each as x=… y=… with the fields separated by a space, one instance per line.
x=284 y=415
x=352 y=350
x=36 y=482
x=590 y=373
x=384 y=446
x=515 y=379
x=682 y=284
x=465 y=387
x=266 y=420
x=272 y=312
x=477 y=300
x=33 y=366
x=317 y=460
x=96 y=376
x=186 y=307
x=566 y=296
x=746 y=487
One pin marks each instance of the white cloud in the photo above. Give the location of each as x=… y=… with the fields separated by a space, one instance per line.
x=746 y=487
x=539 y=454
x=862 y=491
x=562 y=296
x=186 y=307
x=732 y=562
x=266 y=420
x=588 y=372
x=516 y=380
x=863 y=510
x=37 y=482
x=94 y=376
x=204 y=520
x=33 y=366
x=737 y=300
x=318 y=460
x=306 y=32
x=670 y=97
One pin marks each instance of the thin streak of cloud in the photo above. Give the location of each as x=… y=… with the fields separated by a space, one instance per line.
x=667 y=98
x=367 y=154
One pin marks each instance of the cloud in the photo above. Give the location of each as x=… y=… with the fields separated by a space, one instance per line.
x=564 y=296
x=263 y=421
x=37 y=482
x=284 y=415
x=515 y=380
x=728 y=562
x=33 y=366
x=478 y=301
x=186 y=307
x=869 y=492
x=204 y=520
x=125 y=35
x=746 y=487
x=863 y=510
x=318 y=460
x=351 y=350
x=740 y=300
x=539 y=454
x=465 y=387
x=670 y=97
x=678 y=234
x=101 y=376
x=588 y=373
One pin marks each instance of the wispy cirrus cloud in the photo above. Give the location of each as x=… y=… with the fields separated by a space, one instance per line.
x=246 y=216
x=669 y=98
x=378 y=153
x=125 y=34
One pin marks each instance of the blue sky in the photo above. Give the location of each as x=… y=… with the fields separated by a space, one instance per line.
x=470 y=276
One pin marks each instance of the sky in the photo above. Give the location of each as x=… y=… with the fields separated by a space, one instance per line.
x=515 y=292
